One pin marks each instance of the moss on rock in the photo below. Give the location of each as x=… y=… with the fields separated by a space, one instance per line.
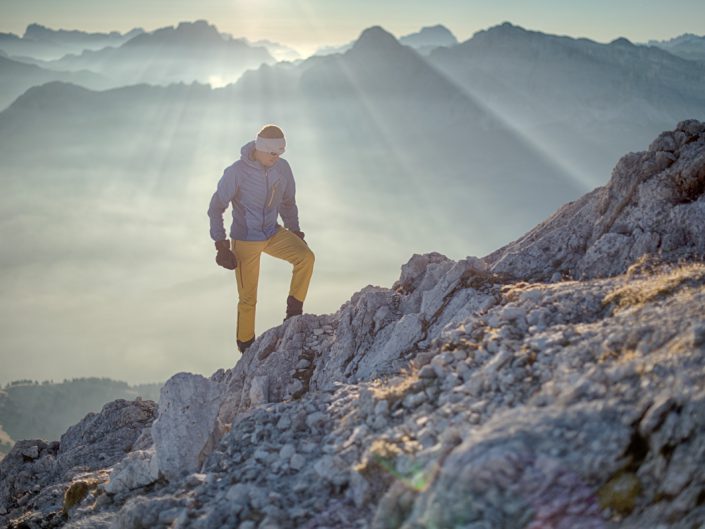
x=620 y=493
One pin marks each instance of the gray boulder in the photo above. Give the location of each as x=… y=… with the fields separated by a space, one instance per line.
x=138 y=469
x=188 y=425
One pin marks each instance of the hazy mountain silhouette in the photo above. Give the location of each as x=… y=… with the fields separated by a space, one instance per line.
x=578 y=95
x=16 y=77
x=192 y=51
x=280 y=52
x=424 y=40
x=110 y=129
x=330 y=50
x=39 y=33
x=381 y=107
x=429 y=38
x=40 y=42
x=687 y=46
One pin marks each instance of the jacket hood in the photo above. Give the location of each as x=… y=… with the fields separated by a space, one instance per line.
x=245 y=156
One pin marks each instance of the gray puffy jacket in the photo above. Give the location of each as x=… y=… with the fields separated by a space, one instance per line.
x=258 y=195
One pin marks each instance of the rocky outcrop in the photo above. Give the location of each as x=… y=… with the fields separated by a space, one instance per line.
x=652 y=205
x=537 y=389
x=374 y=334
x=35 y=476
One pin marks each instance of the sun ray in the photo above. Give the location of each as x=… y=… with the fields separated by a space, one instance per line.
x=540 y=145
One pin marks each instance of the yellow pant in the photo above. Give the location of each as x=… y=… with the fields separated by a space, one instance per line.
x=284 y=245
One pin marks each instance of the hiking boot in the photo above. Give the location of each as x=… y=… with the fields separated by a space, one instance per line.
x=242 y=346
x=294 y=307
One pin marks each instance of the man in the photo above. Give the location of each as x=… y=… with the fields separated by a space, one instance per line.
x=260 y=186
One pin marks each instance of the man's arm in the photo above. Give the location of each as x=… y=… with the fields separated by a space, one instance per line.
x=288 y=210
x=225 y=192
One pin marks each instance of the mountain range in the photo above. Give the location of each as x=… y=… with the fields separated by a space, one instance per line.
x=429 y=38
x=424 y=41
x=687 y=46
x=191 y=51
x=392 y=104
x=608 y=95
x=17 y=77
x=577 y=97
x=40 y=42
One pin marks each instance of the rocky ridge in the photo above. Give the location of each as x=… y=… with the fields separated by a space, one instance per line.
x=556 y=383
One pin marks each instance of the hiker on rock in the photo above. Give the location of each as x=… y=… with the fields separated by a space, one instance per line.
x=260 y=186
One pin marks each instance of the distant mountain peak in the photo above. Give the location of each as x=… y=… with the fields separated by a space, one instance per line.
x=437 y=35
x=38 y=32
x=375 y=38
x=507 y=27
x=197 y=26
x=198 y=29
x=34 y=27
x=686 y=46
x=187 y=33
x=621 y=41
x=438 y=29
x=680 y=39
x=504 y=31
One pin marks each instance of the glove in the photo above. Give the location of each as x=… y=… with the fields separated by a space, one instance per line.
x=299 y=234
x=225 y=257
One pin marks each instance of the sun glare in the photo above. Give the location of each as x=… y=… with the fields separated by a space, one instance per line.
x=216 y=81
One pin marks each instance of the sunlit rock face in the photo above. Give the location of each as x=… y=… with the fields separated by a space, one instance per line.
x=538 y=389
x=651 y=205
x=188 y=420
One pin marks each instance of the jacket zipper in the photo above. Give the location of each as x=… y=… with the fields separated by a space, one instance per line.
x=274 y=190
x=264 y=209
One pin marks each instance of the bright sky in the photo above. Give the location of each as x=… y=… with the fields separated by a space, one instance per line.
x=309 y=24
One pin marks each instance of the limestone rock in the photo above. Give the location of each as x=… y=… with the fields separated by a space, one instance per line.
x=136 y=470
x=187 y=426
x=648 y=207
x=104 y=438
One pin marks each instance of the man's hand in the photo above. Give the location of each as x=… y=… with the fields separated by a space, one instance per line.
x=225 y=257
x=299 y=234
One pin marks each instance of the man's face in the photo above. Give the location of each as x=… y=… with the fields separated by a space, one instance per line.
x=268 y=159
